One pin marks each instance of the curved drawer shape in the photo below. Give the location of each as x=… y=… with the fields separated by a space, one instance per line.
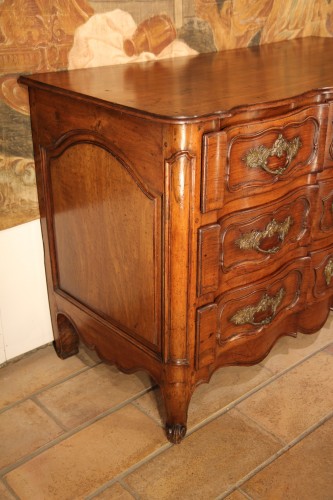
x=250 y=240
x=323 y=224
x=322 y=262
x=257 y=157
x=329 y=139
x=244 y=312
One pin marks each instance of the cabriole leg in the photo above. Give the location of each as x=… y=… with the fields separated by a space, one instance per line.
x=176 y=400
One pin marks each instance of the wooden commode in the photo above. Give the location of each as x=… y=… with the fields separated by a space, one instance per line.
x=187 y=208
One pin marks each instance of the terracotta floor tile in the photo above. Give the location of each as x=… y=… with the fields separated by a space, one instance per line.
x=207 y=463
x=90 y=393
x=304 y=472
x=37 y=370
x=88 y=356
x=236 y=495
x=4 y=493
x=329 y=349
x=225 y=386
x=297 y=400
x=84 y=462
x=289 y=350
x=23 y=429
x=115 y=492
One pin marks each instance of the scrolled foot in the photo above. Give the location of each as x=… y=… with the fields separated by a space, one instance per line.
x=175 y=432
x=67 y=343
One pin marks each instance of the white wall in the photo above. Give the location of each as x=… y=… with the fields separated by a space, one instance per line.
x=24 y=310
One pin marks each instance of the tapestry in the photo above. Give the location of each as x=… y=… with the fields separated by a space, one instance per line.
x=50 y=35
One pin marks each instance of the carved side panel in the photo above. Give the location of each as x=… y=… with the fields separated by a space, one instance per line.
x=105 y=233
x=179 y=182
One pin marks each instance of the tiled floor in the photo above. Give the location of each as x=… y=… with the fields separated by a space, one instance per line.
x=78 y=429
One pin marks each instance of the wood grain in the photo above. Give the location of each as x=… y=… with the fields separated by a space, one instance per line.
x=166 y=88
x=187 y=222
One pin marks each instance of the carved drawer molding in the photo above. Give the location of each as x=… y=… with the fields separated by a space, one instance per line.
x=323 y=273
x=186 y=209
x=254 y=158
x=250 y=240
x=242 y=313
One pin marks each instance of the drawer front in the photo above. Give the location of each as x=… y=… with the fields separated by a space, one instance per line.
x=322 y=262
x=323 y=224
x=243 y=313
x=258 y=157
x=329 y=139
x=250 y=240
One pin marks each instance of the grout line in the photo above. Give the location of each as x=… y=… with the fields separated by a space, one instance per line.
x=246 y=495
x=45 y=388
x=250 y=393
x=86 y=368
x=10 y=489
x=276 y=455
x=24 y=355
x=82 y=358
x=299 y=362
x=129 y=489
x=120 y=478
x=49 y=413
x=69 y=433
x=167 y=445
x=151 y=417
x=129 y=470
x=239 y=490
x=261 y=427
x=263 y=367
x=159 y=422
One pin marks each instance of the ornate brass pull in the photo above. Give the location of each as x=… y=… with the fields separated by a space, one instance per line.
x=247 y=314
x=328 y=271
x=252 y=240
x=258 y=157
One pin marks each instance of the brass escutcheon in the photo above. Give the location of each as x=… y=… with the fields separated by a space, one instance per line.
x=247 y=314
x=257 y=157
x=328 y=272
x=252 y=240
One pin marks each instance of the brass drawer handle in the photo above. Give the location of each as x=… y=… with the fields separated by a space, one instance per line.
x=257 y=157
x=328 y=271
x=252 y=240
x=267 y=303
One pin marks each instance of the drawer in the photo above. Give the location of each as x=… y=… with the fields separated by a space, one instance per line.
x=250 y=240
x=322 y=263
x=243 y=313
x=323 y=223
x=329 y=139
x=257 y=157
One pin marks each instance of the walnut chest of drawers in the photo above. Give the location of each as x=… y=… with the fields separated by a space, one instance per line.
x=187 y=208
